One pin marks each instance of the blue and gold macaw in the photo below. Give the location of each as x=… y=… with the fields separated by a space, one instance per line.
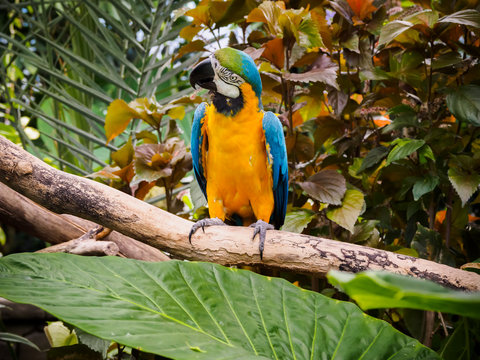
x=238 y=150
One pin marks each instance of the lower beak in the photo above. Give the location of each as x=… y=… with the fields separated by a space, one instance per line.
x=202 y=76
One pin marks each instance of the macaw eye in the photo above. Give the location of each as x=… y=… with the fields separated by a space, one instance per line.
x=229 y=77
x=226 y=75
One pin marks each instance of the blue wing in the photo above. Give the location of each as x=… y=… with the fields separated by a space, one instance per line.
x=196 y=147
x=279 y=164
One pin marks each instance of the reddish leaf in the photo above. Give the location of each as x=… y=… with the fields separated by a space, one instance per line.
x=297 y=118
x=274 y=52
x=126 y=174
x=362 y=8
x=141 y=190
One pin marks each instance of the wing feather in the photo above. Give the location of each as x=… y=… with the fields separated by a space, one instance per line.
x=197 y=147
x=278 y=162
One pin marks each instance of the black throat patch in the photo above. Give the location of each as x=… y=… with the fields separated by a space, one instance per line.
x=226 y=105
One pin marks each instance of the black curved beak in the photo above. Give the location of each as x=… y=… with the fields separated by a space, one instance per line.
x=202 y=75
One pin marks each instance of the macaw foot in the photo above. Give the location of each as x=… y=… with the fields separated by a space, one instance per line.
x=261 y=228
x=202 y=224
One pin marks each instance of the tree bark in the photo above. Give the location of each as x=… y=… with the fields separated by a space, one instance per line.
x=62 y=192
x=28 y=216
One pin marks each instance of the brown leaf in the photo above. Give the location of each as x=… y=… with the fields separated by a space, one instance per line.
x=156 y=161
x=301 y=145
x=338 y=100
x=196 y=45
x=326 y=186
x=256 y=36
x=107 y=173
x=254 y=53
x=200 y=14
x=256 y=15
x=324 y=70
x=141 y=190
x=327 y=128
x=189 y=32
x=218 y=9
x=126 y=173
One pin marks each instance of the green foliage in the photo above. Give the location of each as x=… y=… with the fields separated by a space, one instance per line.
x=64 y=62
x=373 y=290
x=187 y=310
x=464 y=103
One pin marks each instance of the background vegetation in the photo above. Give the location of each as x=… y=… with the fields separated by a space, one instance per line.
x=380 y=102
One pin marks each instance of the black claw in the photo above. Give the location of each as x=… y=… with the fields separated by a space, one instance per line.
x=192 y=231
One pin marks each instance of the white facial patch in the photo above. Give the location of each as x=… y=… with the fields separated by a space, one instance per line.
x=227 y=82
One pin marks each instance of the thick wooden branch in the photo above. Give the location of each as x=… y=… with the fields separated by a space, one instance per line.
x=24 y=214
x=66 y=193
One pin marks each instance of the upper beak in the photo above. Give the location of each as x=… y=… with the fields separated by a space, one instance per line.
x=202 y=75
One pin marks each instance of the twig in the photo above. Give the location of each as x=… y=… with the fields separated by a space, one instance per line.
x=86 y=244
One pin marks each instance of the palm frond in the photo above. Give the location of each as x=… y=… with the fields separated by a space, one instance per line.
x=75 y=57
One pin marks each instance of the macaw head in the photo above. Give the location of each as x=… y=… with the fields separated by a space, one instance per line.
x=224 y=72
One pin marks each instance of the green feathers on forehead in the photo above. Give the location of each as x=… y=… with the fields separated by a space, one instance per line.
x=242 y=64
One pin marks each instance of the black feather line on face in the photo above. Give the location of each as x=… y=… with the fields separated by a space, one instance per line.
x=227 y=105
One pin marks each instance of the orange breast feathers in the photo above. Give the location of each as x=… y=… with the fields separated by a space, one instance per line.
x=239 y=179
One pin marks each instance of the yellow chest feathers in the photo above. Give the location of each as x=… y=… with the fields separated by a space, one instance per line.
x=238 y=176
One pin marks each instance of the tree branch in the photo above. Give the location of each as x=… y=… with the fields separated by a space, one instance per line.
x=24 y=214
x=62 y=192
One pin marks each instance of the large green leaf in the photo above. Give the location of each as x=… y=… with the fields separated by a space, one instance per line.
x=424 y=185
x=376 y=289
x=188 y=310
x=373 y=158
x=464 y=183
x=298 y=219
x=403 y=148
x=464 y=103
x=347 y=214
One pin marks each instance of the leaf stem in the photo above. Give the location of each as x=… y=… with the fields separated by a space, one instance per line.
x=448 y=217
x=430 y=84
x=214 y=36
